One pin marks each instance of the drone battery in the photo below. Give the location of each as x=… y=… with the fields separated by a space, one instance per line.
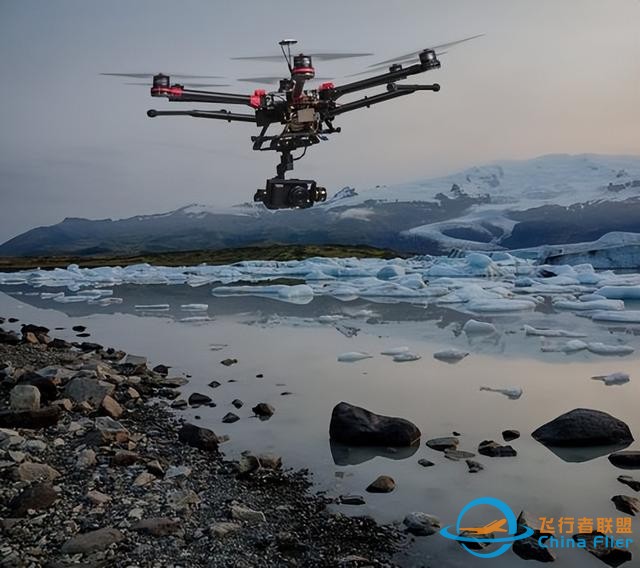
x=305 y=115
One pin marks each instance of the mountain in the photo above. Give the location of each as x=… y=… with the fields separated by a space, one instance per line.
x=512 y=204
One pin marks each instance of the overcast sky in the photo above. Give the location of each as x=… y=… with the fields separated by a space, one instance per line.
x=549 y=76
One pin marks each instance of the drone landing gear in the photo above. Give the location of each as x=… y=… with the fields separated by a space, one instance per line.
x=281 y=193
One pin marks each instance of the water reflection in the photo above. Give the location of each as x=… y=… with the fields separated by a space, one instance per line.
x=355 y=455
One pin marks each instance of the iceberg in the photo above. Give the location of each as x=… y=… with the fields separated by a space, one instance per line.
x=473 y=327
x=620 y=292
x=353 y=356
x=613 y=378
x=604 y=349
x=406 y=357
x=593 y=305
x=530 y=330
x=628 y=316
x=450 y=355
x=513 y=393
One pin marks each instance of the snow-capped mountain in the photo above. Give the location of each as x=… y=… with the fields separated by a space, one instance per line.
x=512 y=204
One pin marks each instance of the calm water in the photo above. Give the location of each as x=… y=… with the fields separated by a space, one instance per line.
x=296 y=353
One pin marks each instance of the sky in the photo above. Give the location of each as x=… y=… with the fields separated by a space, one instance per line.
x=548 y=76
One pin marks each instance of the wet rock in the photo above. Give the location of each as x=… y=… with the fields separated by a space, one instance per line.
x=474 y=466
x=270 y=461
x=215 y=384
x=201 y=438
x=352 y=500
x=86 y=458
x=357 y=426
x=509 y=435
x=457 y=455
x=495 y=450
x=237 y=403
x=111 y=407
x=230 y=418
x=626 y=459
x=197 y=399
x=37 y=496
x=583 y=427
x=383 y=484
x=229 y=362
x=29 y=471
x=425 y=463
x=161 y=370
x=86 y=389
x=630 y=481
x=242 y=513
x=79 y=328
x=263 y=410
x=626 y=504
x=223 y=529
x=610 y=556
x=42 y=418
x=158 y=526
x=179 y=403
x=442 y=444
x=421 y=524
x=24 y=397
x=92 y=541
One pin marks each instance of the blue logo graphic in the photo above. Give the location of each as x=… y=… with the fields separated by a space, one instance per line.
x=497 y=526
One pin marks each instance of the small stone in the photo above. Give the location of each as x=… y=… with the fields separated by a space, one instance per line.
x=64 y=403
x=626 y=459
x=79 y=328
x=215 y=384
x=132 y=393
x=136 y=513
x=263 y=410
x=630 y=481
x=626 y=504
x=223 y=529
x=145 y=478
x=110 y=430
x=37 y=496
x=29 y=471
x=86 y=458
x=247 y=464
x=421 y=524
x=112 y=407
x=92 y=541
x=98 y=498
x=508 y=435
x=242 y=513
x=158 y=526
x=155 y=467
x=124 y=458
x=201 y=438
x=24 y=397
x=383 y=484
x=182 y=499
x=495 y=450
x=270 y=461
x=237 y=403
x=352 y=500
x=177 y=471
x=230 y=418
x=161 y=370
x=442 y=444
x=229 y=362
x=457 y=455
x=179 y=403
x=425 y=463
x=197 y=399
x=88 y=389
x=474 y=466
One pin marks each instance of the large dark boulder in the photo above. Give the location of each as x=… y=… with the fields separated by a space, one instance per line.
x=583 y=427
x=201 y=438
x=627 y=459
x=359 y=427
x=42 y=418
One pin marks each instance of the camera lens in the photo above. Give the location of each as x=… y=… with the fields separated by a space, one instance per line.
x=260 y=195
x=299 y=197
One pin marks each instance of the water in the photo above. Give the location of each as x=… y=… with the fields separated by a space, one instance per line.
x=296 y=354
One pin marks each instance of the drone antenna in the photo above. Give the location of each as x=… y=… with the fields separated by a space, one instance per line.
x=287 y=55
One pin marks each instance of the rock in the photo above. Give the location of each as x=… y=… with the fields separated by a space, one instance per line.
x=35 y=446
x=132 y=393
x=112 y=407
x=24 y=397
x=63 y=403
x=357 y=426
x=630 y=481
x=179 y=403
x=183 y=499
x=530 y=549
x=263 y=410
x=457 y=455
x=29 y=471
x=270 y=461
x=92 y=541
x=352 y=500
x=584 y=427
x=421 y=524
x=608 y=555
x=197 y=399
x=37 y=496
x=158 y=526
x=145 y=478
x=626 y=459
x=98 y=498
x=222 y=529
x=495 y=450
x=161 y=370
x=425 y=463
x=79 y=328
x=508 y=435
x=215 y=384
x=626 y=504
x=247 y=464
x=229 y=362
x=155 y=467
x=382 y=484
x=442 y=444
x=230 y=418
x=201 y=438
x=124 y=458
x=30 y=337
x=9 y=337
x=474 y=466
x=174 y=471
x=34 y=419
x=86 y=389
x=237 y=403
x=86 y=458
x=111 y=430
x=242 y=513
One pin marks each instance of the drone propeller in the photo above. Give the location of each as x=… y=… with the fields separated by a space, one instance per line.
x=271 y=80
x=150 y=75
x=188 y=84
x=318 y=56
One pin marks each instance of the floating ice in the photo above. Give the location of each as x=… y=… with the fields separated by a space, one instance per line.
x=593 y=305
x=296 y=294
x=613 y=378
x=604 y=349
x=450 y=355
x=473 y=327
x=572 y=346
x=628 y=316
x=194 y=307
x=330 y=318
x=513 y=393
x=405 y=357
x=530 y=330
x=393 y=351
x=195 y=319
x=353 y=356
x=389 y=272
x=620 y=292
x=152 y=307
x=501 y=305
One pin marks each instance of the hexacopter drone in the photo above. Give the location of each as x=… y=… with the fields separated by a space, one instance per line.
x=307 y=114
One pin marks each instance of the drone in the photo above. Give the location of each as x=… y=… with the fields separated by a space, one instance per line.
x=307 y=115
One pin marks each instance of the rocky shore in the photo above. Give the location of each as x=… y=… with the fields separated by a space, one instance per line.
x=96 y=470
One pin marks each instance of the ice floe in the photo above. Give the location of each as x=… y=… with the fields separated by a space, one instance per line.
x=152 y=307
x=406 y=357
x=620 y=292
x=513 y=393
x=450 y=355
x=393 y=351
x=474 y=327
x=530 y=330
x=194 y=307
x=628 y=316
x=613 y=378
x=603 y=349
x=572 y=346
x=353 y=356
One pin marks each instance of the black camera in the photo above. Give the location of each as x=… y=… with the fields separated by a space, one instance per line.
x=290 y=194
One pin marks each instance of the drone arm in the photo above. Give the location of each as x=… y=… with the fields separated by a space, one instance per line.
x=178 y=93
x=219 y=114
x=394 y=91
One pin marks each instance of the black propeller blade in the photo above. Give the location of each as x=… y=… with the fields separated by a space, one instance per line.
x=150 y=75
x=318 y=56
x=271 y=80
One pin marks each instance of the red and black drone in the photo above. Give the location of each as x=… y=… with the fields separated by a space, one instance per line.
x=307 y=114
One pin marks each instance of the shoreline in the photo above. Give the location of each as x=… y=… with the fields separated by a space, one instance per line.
x=108 y=475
